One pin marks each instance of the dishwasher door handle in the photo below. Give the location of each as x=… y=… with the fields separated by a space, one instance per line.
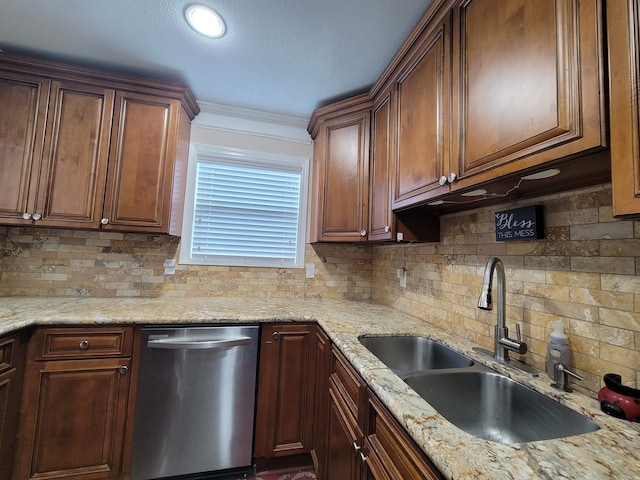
x=174 y=344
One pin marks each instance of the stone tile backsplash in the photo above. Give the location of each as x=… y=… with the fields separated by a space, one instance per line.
x=586 y=272
x=50 y=262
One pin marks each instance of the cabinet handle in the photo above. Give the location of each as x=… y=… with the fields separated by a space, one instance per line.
x=104 y=221
x=26 y=216
x=363 y=457
x=387 y=228
x=37 y=216
x=356 y=447
x=123 y=369
x=84 y=345
x=276 y=335
x=363 y=233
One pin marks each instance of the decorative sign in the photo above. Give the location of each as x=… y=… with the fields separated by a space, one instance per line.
x=524 y=223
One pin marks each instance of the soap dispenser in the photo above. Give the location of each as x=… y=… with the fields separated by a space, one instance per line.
x=558 y=350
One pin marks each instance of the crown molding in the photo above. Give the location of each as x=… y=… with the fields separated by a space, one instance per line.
x=252 y=122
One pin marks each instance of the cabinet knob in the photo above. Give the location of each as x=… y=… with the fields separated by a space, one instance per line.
x=37 y=216
x=452 y=176
x=84 y=345
x=363 y=233
x=387 y=229
x=123 y=369
x=276 y=335
x=26 y=216
x=104 y=221
x=442 y=180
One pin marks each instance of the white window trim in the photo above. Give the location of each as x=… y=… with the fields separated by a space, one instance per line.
x=199 y=152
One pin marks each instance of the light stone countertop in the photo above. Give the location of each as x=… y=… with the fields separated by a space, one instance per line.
x=613 y=452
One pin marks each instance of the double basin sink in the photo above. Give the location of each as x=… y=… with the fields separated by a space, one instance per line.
x=474 y=398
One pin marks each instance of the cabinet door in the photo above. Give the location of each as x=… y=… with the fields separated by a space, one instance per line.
x=423 y=93
x=343 y=441
x=23 y=112
x=323 y=366
x=286 y=390
x=141 y=163
x=12 y=359
x=528 y=85
x=74 y=414
x=345 y=178
x=74 y=166
x=623 y=22
x=381 y=221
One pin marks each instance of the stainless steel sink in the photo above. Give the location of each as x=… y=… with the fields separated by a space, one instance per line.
x=406 y=355
x=494 y=407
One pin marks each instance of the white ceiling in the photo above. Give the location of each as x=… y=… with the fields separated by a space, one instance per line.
x=279 y=56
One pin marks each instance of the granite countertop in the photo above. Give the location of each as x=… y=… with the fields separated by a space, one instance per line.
x=613 y=452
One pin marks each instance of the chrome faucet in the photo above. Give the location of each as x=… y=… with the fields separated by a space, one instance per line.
x=502 y=343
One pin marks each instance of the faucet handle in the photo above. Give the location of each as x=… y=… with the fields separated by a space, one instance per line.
x=518 y=336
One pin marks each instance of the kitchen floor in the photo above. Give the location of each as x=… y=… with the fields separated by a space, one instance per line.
x=297 y=475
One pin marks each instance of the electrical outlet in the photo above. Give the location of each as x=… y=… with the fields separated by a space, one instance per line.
x=403 y=279
x=310 y=270
x=170 y=266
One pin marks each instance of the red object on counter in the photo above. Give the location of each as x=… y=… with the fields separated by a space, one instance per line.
x=618 y=400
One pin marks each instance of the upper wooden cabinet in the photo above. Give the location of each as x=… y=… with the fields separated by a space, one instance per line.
x=423 y=92
x=623 y=22
x=341 y=171
x=87 y=149
x=527 y=85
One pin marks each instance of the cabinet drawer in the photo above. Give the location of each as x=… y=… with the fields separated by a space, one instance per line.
x=391 y=446
x=84 y=342
x=348 y=382
x=6 y=354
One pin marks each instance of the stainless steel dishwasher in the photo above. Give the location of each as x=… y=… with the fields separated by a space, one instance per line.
x=195 y=401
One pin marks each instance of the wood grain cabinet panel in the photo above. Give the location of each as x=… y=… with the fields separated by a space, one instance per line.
x=86 y=149
x=381 y=218
x=72 y=177
x=24 y=99
x=528 y=85
x=423 y=92
x=390 y=452
x=623 y=36
x=143 y=144
x=340 y=191
x=286 y=390
x=13 y=350
x=75 y=408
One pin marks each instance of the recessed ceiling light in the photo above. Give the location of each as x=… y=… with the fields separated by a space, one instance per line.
x=205 y=21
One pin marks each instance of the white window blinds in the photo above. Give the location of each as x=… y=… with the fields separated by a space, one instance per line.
x=247 y=211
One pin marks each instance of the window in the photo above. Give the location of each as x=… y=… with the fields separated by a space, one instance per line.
x=244 y=208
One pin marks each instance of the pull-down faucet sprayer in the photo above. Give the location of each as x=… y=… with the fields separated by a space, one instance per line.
x=502 y=342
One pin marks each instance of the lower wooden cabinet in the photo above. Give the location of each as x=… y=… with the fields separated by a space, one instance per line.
x=13 y=350
x=344 y=436
x=363 y=439
x=390 y=453
x=75 y=407
x=286 y=390
x=321 y=410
